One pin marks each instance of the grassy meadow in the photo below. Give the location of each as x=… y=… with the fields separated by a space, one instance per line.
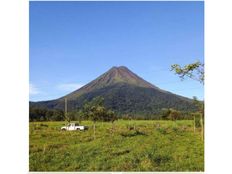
x=137 y=145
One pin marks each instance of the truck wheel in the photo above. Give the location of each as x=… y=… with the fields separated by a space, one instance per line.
x=63 y=129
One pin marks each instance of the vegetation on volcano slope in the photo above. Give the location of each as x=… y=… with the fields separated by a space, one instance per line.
x=126 y=99
x=126 y=145
x=124 y=92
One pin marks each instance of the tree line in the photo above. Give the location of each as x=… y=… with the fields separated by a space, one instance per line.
x=43 y=114
x=96 y=111
x=93 y=110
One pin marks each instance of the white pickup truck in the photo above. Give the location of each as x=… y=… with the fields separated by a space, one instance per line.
x=73 y=126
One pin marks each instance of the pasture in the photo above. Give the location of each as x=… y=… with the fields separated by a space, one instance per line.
x=128 y=145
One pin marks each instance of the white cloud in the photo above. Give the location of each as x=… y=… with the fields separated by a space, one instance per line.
x=33 y=90
x=69 y=86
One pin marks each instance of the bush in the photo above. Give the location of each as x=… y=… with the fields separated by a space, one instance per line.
x=198 y=117
x=165 y=113
x=174 y=114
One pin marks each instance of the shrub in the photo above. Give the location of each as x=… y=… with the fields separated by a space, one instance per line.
x=198 y=117
x=174 y=114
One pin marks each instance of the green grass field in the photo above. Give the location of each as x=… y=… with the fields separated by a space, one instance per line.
x=152 y=146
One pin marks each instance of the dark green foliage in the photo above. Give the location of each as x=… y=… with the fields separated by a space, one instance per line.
x=199 y=105
x=71 y=116
x=58 y=115
x=174 y=114
x=111 y=116
x=126 y=99
x=198 y=118
x=165 y=113
x=125 y=93
x=43 y=114
x=95 y=111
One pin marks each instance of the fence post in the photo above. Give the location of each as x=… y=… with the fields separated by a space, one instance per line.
x=202 y=128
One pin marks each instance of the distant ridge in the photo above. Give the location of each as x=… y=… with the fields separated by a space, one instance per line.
x=124 y=92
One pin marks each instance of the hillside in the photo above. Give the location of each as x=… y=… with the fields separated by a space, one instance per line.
x=124 y=92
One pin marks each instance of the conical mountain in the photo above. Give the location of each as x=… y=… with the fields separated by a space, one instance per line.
x=113 y=76
x=125 y=93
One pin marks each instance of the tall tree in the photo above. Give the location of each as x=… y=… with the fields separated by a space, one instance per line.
x=194 y=71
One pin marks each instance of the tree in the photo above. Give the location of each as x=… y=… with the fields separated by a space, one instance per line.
x=165 y=113
x=174 y=114
x=94 y=110
x=80 y=115
x=37 y=114
x=194 y=71
x=199 y=105
x=58 y=115
x=111 y=115
x=73 y=115
x=49 y=114
x=43 y=114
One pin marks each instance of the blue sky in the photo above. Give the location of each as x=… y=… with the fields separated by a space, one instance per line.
x=72 y=43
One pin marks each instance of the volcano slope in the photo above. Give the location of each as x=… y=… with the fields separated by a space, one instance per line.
x=124 y=92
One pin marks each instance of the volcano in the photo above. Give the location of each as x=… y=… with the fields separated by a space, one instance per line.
x=124 y=92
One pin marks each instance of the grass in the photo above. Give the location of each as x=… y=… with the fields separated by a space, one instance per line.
x=151 y=146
